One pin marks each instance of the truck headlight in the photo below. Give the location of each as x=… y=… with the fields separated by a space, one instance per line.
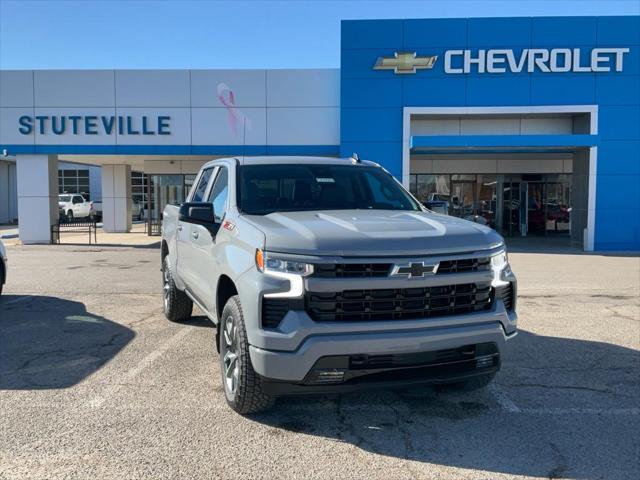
x=286 y=270
x=500 y=268
x=500 y=260
x=269 y=264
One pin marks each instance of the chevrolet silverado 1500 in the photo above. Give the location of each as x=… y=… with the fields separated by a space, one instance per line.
x=326 y=275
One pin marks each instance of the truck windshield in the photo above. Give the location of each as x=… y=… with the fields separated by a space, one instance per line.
x=264 y=189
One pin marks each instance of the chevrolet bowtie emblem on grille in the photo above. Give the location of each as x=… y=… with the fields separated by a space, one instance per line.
x=405 y=62
x=414 y=269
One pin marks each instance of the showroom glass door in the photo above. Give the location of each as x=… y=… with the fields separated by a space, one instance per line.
x=167 y=189
x=510 y=207
x=558 y=207
x=536 y=208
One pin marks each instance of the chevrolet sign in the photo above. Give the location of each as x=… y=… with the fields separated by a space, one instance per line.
x=405 y=62
x=556 y=60
x=530 y=60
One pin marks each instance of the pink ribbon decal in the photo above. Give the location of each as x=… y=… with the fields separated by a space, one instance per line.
x=235 y=116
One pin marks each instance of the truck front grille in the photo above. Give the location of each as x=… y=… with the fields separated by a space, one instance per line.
x=398 y=303
x=465 y=265
x=351 y=270
x=366 y=362
x=365 y=270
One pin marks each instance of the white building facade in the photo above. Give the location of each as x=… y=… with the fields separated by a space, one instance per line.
x=165 y=123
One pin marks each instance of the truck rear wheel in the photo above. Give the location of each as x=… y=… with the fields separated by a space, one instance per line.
x=242 y=385
x=177 y=305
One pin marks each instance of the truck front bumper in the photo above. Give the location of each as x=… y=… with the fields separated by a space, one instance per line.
x=343 y=362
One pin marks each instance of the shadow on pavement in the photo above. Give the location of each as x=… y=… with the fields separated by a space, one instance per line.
x=49 y=342
x=472 y=431
x=198 y=321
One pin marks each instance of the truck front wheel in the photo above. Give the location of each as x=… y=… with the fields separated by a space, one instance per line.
x=177 y=305
x=242 y=385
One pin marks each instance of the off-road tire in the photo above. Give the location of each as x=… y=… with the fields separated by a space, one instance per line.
x=248 y=397
x=177 y=305
x=471 y=384
x=70 y=216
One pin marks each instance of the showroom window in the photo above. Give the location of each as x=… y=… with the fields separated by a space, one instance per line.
x=74 y=181
x=512 y=204
x=139 y=187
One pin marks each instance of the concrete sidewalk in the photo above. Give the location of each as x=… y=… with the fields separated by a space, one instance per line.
x=137 y=237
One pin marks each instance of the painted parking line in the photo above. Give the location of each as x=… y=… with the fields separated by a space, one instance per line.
x=503 y=400
x=144 y=363
x=580 y=411
x=508 y=405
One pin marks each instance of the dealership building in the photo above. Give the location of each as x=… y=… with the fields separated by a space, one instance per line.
x=529 y=125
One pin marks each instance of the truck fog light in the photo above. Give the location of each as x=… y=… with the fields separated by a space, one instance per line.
x=329 y=376
x=484 y=361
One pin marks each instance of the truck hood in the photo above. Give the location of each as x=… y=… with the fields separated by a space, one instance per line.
x=364 y=233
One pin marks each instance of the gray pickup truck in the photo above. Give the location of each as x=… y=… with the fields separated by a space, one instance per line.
x=325 y=275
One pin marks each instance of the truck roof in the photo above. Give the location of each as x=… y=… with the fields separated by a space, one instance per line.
x=292 y=159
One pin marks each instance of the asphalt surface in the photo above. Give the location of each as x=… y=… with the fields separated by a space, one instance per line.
x=95 y=383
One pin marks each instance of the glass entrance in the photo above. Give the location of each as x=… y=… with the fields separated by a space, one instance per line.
x=515 y=205
x=537 y=205
x=166 y=189
x=510 y=208
x=535 y=208
x=558 y=208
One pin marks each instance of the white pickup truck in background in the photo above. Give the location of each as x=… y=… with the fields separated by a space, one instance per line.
x=73 y=206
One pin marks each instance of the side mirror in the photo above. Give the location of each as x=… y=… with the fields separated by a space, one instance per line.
x=199 y=213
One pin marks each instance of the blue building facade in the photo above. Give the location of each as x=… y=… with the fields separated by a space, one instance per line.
x=528 y=125
x=573 y=82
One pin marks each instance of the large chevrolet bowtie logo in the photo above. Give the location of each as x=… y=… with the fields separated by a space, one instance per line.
x=405 y=62
x=414 y=269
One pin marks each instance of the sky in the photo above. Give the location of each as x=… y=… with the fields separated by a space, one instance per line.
x=64 y=34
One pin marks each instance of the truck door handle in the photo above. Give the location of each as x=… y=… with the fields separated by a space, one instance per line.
x=195 y=235
x=179 y=227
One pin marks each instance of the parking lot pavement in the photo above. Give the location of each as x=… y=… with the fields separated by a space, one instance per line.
x=95 y=383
